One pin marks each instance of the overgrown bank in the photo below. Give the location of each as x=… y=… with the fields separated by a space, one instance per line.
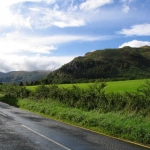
x=121 y=115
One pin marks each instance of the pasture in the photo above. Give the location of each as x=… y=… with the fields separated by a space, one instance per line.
x=113 y=86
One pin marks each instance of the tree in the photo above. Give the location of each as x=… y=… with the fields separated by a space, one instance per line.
x=21 y=83
x=26 y=83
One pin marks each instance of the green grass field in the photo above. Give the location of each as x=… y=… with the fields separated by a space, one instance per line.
x=124 y=86
x=113 y=86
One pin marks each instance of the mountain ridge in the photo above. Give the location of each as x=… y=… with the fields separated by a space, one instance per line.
x=22 y=76
x=117 y=63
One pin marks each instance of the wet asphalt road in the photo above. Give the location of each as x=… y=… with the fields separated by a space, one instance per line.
x=21 y=130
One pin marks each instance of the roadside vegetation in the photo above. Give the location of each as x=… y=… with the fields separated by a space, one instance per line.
x=125 y=115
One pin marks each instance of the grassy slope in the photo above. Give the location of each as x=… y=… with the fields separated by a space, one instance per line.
x=114 y=86
x=122 y=86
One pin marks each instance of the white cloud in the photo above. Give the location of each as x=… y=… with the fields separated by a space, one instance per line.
x=14 y=62
x=126 y=8
x=8 y=3
x=127 y=1
x=10 y=18
x=38 y=16
x=24 y=52
x=58 y=18
x=15 y=13
x=60 y=39
x=135 y=43
x=72 y=7
x=94 y=4
x=19 y=43
x=137 y=30
x=49 y=1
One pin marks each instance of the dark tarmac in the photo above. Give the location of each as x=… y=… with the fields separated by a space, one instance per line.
x=21 y=130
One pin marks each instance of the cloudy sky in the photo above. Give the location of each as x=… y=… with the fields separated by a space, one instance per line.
x=45 y=34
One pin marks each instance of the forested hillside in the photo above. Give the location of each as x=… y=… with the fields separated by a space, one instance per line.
x=110 y=64
x=22 y=76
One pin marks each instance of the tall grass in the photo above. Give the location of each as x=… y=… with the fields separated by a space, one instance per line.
x=127 y=126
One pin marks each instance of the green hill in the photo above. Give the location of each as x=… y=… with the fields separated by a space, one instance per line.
x=22 y=76
x=111 y=64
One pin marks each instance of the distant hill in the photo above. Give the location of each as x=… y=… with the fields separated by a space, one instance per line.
x=22 y=76
x=112 y=64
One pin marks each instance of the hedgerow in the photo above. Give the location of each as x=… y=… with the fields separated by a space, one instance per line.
x=123 y=115
x=92 y=98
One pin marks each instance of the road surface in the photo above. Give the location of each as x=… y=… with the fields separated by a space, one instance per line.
x=21 y=130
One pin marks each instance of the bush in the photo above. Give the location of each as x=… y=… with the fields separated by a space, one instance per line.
x=42 y=92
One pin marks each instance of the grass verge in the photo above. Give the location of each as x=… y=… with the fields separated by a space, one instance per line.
x=126 y=126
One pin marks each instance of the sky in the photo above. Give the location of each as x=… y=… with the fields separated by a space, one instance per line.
x=46 y=34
